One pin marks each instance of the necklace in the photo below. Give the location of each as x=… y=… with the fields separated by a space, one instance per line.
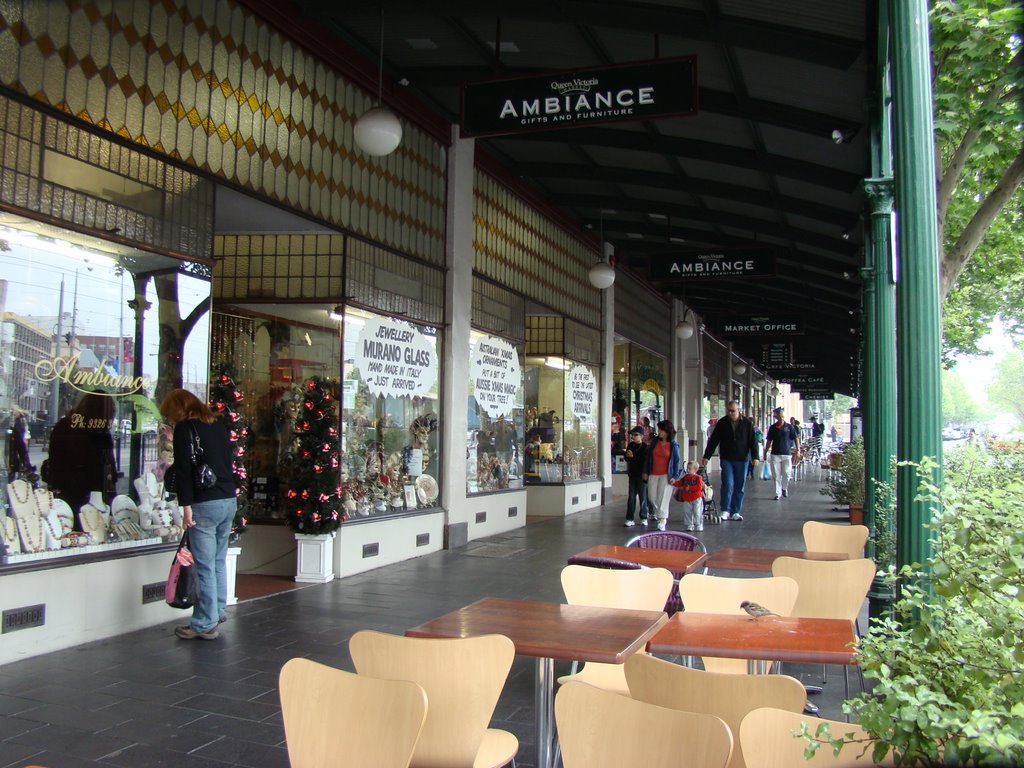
x=39 y=492
x=48 y=519
x=28 y=527
x=11 y=535
x=92 y=519
x=13 y=488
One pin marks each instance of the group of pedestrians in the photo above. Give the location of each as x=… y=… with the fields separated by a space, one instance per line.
x=655 y=469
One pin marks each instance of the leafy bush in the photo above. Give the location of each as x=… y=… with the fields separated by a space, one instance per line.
x=948 y=668
x=845 y=484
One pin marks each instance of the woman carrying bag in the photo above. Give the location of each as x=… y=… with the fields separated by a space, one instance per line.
x=207 y=503
x=661 y=467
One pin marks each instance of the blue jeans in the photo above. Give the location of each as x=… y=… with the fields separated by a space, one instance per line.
x=208 y=540
x=734 y=478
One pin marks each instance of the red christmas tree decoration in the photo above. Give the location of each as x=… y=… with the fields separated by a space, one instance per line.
x=312 y=502
x=226 y=400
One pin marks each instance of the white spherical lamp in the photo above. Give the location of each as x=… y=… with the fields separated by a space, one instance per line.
x=739 y=369
x=602 y=275
x=378 y=132
x=758 y=382
x=684 y=330
x=775 y=391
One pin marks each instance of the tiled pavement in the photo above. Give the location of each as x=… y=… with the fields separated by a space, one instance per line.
x=148 y=699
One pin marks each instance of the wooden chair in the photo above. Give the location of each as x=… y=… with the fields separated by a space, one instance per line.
x=599 y=729
x=463 y=679
x=768 y=742
x=829 y=589
x=333 y=717
x=643 y=590
x=720 y=594
x=729 y=697
x=826 y=537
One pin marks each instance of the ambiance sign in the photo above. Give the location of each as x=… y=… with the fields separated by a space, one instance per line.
x=710 y=265
x=763 y=325
x=571 y=98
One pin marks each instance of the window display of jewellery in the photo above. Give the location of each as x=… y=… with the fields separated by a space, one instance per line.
x=9 y=534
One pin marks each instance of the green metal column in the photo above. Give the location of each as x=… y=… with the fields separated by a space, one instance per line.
x=919 y=396
x=880 y=364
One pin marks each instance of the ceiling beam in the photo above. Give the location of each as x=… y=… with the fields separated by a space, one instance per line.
x=791 y=42
x=696 y=149
x=659 y=180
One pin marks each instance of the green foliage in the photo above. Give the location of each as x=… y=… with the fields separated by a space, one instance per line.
x=1006 y=389
x=313 y=502
x=883 y=534
x=973 y=43
x=948 y=668
x=959 y=406
x=846 y=483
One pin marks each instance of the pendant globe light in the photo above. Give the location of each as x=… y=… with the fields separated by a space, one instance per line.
x=602 y=274
x=379 y=132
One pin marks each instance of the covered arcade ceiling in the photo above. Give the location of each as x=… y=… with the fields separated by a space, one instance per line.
x=772 y=160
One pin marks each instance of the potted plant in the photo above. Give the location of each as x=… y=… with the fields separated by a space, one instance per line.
x=846 y=482
x=314 y=502
x=947 y=667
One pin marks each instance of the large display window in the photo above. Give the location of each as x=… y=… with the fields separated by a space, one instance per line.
x=637 y=394
x=390 y=415
x=384 y=374
x=94 y=336
x=561 y=420
x=494 y=441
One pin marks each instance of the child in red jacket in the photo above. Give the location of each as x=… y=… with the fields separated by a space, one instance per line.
x=691 y=494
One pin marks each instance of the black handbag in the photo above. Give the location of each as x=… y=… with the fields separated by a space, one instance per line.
x=202 y=475
x=182 y=588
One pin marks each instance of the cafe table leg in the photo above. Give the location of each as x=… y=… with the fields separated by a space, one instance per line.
x=757 y=667
x=544 y=686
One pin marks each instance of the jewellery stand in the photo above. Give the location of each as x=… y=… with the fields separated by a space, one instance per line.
x=9 y=532
x=94 y=522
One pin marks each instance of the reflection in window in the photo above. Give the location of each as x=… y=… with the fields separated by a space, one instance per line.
x=93 y=335
x=561 y=420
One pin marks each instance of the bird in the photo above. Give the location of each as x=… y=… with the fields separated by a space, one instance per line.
x=756 y=611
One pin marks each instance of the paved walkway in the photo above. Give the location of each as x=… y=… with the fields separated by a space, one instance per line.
x=148 y=699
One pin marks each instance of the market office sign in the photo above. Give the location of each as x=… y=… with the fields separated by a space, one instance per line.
x=763 y=325
x=638 y=91
x=709 y=265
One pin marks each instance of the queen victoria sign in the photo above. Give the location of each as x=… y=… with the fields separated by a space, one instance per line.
x=638 y=91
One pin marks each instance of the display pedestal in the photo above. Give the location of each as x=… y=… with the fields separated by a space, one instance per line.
x=232 y=570
x=315 y=558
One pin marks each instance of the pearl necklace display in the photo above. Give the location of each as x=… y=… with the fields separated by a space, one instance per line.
x=12 y=489
x=10 y=532
x=93 y=523
x=33 y=535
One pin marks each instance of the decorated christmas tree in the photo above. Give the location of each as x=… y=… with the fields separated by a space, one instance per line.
x=313 y=502
x=226 y=401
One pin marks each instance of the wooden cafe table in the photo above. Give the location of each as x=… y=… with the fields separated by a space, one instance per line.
x=680 y=562
x=740 y=559
x=759 y=641
x=549 y=631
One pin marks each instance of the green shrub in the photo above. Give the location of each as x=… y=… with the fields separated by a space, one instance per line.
x=948 y=668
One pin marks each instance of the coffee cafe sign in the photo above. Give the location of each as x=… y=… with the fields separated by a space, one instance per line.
x=711 y=265
x=568 y=99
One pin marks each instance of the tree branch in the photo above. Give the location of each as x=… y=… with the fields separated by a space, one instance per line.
x=956 y=257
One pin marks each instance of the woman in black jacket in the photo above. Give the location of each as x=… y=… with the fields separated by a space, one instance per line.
x=207 y=512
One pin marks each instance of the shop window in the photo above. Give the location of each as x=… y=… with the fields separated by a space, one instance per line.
x=94 y=336
x=494 y=440
x=390 y=415
x=561 y=420
x=637 y=394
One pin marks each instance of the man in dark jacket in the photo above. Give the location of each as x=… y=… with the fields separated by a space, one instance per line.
x=636 y=456
x=734 y=437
